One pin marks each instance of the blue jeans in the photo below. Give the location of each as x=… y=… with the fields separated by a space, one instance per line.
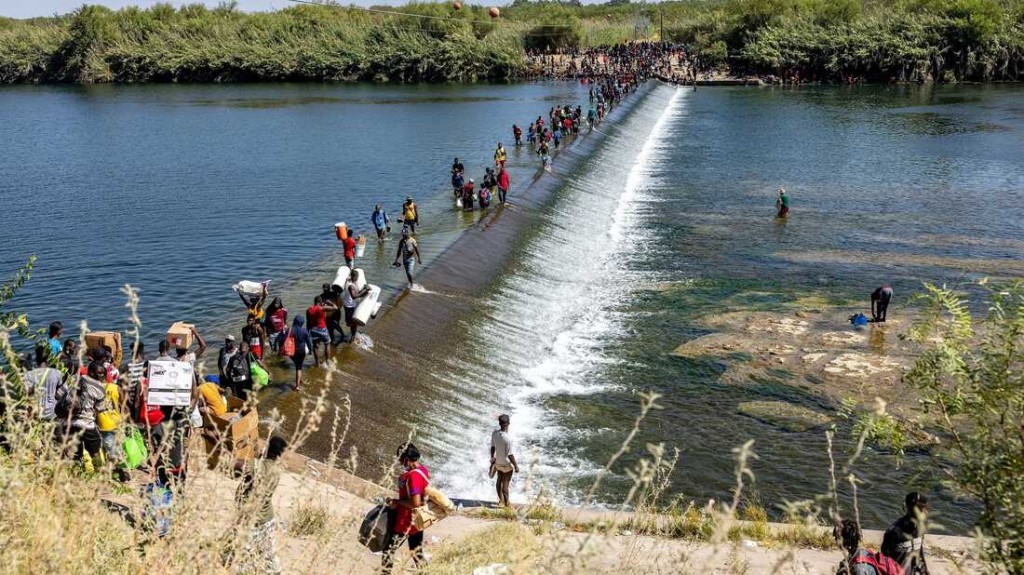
x=410 y=265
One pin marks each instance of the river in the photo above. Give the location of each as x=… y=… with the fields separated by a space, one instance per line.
x=183 y=190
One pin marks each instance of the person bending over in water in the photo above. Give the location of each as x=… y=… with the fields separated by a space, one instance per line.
x=517 y=133
x=408 y=249
x=782 y=203
x=880 y=299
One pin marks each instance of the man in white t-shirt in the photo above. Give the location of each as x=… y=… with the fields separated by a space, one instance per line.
x=503 y=463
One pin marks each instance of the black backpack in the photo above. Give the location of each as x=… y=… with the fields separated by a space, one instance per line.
x=238 y=370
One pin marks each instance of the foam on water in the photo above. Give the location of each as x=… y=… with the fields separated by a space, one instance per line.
x=544 y=328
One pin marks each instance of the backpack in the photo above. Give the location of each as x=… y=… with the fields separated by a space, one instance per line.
x=374 y=529
x=237 y=371
x=883 y=565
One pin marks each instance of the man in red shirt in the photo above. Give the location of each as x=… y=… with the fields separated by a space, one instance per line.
x=411 y=486
x=349 y=243
x=316 y=319
x=503 y=184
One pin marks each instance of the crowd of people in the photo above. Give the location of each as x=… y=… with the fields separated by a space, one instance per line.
x=97 y=405
x=670 y=62
x=94 y=404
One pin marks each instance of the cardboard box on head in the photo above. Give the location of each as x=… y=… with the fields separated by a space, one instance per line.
x=101 y=339
x=180 y=335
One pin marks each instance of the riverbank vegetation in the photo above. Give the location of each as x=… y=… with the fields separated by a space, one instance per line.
x=828 y=40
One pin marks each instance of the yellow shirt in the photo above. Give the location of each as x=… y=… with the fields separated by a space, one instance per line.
x=214 y=398
x=410 y=211
x=110 y=417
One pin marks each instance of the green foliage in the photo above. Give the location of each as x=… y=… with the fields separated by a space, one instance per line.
x=11 y=386
x=879 y=40
x=194 y=43
x=972 y=387
x=557 y=27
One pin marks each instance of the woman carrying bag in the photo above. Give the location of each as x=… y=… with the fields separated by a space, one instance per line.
x=401 y=525
x=296 y=344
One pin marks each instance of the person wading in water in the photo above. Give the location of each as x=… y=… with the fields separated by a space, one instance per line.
x=782 y=203
x=407 y=250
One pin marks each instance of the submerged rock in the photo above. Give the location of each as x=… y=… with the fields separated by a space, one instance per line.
x=783 y=415
x=859 y=365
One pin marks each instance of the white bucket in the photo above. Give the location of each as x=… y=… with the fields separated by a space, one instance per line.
x=341 y=277
x=366 y=307
x=360 y=279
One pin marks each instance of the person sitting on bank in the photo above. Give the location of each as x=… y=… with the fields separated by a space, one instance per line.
x=858 y=560
x=880 y=299
x=904 y=539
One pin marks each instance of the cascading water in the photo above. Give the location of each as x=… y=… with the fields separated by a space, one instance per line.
x=543 y=327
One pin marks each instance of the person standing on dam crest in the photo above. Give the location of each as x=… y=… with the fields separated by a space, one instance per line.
x=410 y=214
x=381 y=222
x=503 y=462
x=407 y=250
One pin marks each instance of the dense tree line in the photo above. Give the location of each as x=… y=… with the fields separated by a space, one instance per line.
x=877 y=40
